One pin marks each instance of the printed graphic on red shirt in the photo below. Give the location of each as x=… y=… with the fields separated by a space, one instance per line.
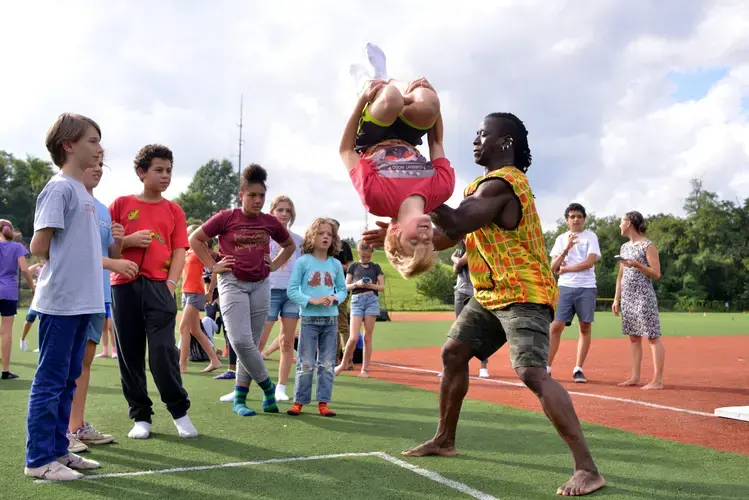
x=401 y=161
x=251 y=239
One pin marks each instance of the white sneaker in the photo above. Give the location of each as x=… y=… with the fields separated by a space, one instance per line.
x=484 y=373
x=378 y=61
x=281 y=393
x=227 y=398
x=76 y=445
x=141 y=430
x=24 y=345
x=53 y=471
x=439 y=374
x=185 y=428
x=73 y=461
x=36 y=350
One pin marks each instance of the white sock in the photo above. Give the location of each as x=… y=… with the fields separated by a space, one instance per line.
x=185 y=427
x=577 y=369
x=361 y=76
x=141 y=430
x=378 y=61
x=281 y=388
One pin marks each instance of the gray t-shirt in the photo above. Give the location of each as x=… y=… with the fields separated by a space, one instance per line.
x=358 y=271
x=463 y=283
x=70 y=283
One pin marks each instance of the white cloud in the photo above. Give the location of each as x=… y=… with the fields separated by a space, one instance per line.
x=589 y=79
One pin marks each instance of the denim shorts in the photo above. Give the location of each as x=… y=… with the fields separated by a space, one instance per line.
x=280 y=304
x=365 y=304
x=197 y=300
x=31 y=315
x=95 y=327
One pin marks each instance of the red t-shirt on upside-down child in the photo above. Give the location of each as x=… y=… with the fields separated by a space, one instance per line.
x=247 y=239
x=395 y=171
x=166 y=221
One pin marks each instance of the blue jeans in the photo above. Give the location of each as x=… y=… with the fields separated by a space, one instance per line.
x=62 y=341
x=317 y=347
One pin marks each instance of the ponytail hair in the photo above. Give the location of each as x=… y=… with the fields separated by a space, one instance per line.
x=637 y=220
x=6 y=229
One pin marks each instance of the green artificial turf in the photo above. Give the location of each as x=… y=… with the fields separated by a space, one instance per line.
x=504 y=452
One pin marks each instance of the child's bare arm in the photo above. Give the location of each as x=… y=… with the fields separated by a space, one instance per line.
x=40 y=243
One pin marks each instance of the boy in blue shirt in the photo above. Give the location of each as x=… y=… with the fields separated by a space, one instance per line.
x=317 y=284
x=69 y=291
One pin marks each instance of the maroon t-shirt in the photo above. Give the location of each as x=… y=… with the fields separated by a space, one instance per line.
x=247 y=239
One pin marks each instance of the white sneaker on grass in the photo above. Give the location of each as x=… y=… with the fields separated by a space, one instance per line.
x=75 y=445
x=89 y=435
x=24 y=345
x=73 y=461
x=281 y=393
x=141 y=430
x=53 y=471
x=227 y=398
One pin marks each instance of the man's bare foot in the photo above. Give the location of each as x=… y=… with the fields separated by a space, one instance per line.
x=652 y=386
x=430 y=448
x=364 y=373
x=581 y=483
x=211 y=367
x=629 y=382
x=338 y=369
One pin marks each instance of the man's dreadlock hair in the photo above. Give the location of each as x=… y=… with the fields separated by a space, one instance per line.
x=514 y=127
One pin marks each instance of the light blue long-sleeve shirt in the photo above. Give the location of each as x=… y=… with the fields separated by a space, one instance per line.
x=312 y=278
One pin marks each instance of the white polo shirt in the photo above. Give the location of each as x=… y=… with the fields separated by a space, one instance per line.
x=587 y=243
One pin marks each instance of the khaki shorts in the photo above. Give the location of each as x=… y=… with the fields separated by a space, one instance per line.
x=524 y=326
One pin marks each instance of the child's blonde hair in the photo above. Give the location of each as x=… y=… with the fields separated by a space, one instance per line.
x=408 y=266
x=308 y=244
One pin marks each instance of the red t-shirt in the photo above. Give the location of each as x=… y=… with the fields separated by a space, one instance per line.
x=247 y=239
x=166 y=221
x=395 y=172
x=192 y=274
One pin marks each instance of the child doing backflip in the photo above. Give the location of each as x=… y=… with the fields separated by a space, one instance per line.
x=392 y=178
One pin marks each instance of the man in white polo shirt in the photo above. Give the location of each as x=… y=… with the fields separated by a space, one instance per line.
x=574 y=259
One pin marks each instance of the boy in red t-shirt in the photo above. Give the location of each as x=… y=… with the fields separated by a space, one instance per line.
x=392 y=178
x=144 y=308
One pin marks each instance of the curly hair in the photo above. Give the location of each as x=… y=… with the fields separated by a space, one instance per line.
x=281 y=198
x=148 y=153
x=514 y=127
x=69 y=127
x=254 y=174
x=308 y=245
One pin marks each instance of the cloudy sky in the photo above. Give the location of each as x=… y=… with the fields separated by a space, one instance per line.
x=625 y=101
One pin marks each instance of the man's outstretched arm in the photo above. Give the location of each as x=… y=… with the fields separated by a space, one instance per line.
x=480 y=209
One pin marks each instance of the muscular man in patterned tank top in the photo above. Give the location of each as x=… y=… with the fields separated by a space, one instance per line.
x=515 y=292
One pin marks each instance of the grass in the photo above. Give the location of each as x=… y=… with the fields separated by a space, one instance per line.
x=508 y=453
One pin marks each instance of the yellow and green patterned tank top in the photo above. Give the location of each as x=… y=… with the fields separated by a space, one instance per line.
x=510 y=266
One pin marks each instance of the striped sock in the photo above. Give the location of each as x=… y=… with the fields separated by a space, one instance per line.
x=269 y=397
x=240 y=402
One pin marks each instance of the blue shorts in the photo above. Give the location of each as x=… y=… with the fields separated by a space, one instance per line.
x=95 y=327
x=108 y=310
x=365 y=304
x=31 y=315
x=280 y=304
x=580 y=301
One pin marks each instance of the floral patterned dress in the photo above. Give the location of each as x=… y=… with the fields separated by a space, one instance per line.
x=639 y=305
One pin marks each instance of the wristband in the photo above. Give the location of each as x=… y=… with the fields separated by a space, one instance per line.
x=172 y=282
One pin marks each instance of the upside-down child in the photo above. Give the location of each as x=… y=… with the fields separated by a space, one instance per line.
x=392 y=178
x=318 y=285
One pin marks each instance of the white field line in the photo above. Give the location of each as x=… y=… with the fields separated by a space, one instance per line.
x=463 y=488
x=573 y=393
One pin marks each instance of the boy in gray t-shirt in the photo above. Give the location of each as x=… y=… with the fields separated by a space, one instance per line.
x=66 y=236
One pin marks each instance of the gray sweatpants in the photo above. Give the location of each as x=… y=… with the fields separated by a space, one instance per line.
x=244 y=309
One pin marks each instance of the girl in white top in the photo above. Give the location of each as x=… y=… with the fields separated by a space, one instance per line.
x=282 y=208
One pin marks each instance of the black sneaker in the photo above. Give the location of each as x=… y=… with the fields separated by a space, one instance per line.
x=9 y=376
x=579 y=378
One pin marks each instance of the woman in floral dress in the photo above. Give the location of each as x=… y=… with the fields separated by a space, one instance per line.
x=635 y=298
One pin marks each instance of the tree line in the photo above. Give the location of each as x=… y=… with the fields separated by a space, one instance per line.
x=704 y=254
